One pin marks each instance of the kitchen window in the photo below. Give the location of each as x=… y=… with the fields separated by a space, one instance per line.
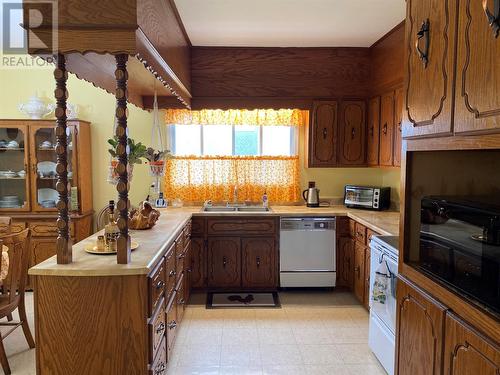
x=214 y=151
x=237 y=140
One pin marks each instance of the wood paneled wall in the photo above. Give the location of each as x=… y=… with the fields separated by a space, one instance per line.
x=219 y=74
x=387 y=61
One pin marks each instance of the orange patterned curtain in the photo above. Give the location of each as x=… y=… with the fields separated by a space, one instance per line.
x=283 y=117
x=198 y=178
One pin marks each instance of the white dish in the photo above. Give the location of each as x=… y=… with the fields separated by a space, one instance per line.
x=10 y=198
x=46 y=167
x=47 y=194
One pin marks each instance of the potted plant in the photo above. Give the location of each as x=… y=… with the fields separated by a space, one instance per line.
x=137 y=152
x=156 y=159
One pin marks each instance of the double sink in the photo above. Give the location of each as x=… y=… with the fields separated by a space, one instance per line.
x=235 y=208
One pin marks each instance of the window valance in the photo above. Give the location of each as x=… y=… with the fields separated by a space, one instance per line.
x=279 y=117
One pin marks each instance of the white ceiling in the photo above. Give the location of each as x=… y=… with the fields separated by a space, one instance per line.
x=289 y=23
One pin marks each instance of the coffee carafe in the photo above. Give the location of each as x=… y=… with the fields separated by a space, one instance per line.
x=311 y=195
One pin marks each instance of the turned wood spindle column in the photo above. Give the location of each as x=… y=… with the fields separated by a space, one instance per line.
x=123 y=242
x=64 y=245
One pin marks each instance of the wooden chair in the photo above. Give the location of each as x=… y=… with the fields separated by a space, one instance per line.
x=13 y=286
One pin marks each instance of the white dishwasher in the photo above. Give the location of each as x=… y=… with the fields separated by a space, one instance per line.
x=307 y=252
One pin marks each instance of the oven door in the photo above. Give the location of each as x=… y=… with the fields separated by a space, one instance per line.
x=358 y=196
x=383 y=289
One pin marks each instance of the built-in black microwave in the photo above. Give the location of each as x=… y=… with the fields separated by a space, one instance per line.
x=460 y=246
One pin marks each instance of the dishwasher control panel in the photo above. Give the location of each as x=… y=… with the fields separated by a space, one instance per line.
x=308 y=223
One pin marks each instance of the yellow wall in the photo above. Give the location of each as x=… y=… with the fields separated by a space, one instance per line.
x=96 y=106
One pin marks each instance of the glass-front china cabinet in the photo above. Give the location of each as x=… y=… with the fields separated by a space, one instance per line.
x=28 y=181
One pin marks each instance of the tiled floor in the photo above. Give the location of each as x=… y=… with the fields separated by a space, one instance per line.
x=313 y=333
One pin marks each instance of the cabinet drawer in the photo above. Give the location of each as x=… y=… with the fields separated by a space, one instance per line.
x=181 y=302
x=44 y=229
x=157 y=284
x=360 y=233
x=14 y=228
x=171 y=320
x=369 y=234
x=187 y=233
x=180 y=264
x=156 y=329
x=352 y=228
x=228 y=226
x=159 y=366
x=170 y=271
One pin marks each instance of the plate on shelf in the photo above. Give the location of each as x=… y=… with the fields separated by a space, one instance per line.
x=46 y=167
x=92 y=249
x=47 y=194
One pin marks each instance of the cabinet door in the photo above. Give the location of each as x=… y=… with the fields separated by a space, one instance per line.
x=387 y=129
x=366 y=297
x=198 y=263
x=345 y=262
x=359 y=271
x=352 y=133
x=42 y=248
x=224 y=262
x=373 y=141
x=477 y=105
x=420 y=321
x=430 y=27
x=323 y=134
x=258 y=262
x=398 y=119
x=467 y=352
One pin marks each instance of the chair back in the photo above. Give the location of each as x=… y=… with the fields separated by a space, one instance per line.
x=5 y=225
x=17 y=259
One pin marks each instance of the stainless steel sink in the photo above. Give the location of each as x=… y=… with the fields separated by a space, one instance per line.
x=235 y=209
x=219 y=209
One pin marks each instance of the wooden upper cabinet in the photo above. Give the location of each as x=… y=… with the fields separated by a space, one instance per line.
x=224 y=262
x=352 y=130
x=420 y=322
x=477 y=99
x=373 y=141
x=323 y=134
x=387 y=129
x=430 y=31
x=468 y=351
x=398 y=120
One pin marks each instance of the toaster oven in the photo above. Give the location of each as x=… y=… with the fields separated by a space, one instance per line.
x=368 y=197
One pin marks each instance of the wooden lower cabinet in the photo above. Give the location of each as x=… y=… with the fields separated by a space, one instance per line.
x=224 y=262
x=420 y=323
x=345 y=262
x=198 y=263
x=366 y=296
x=359 y=271
x=468 y=352
x=42 y=248
x=258 y=263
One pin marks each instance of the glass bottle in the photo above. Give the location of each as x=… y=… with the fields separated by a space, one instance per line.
x=111 y=231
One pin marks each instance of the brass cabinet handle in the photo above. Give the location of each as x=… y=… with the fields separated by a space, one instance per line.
x=423 y=33
x=258 y=262
x=160 y=284
x=181 y=301
x=493 y=18
x=372 y=131
x=160 y=328
x=353 y=133
x=357 y=270
x=172 y=324
x=224 y=262
x=399 y=126
x=171 y=273
x=160 y=368
x=324 y=133
x=384 y=128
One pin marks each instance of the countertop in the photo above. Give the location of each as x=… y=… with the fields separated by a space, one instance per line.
x=154 y=243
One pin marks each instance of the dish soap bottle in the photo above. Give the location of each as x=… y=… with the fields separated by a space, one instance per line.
x=265 y=200
x=111 y=231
